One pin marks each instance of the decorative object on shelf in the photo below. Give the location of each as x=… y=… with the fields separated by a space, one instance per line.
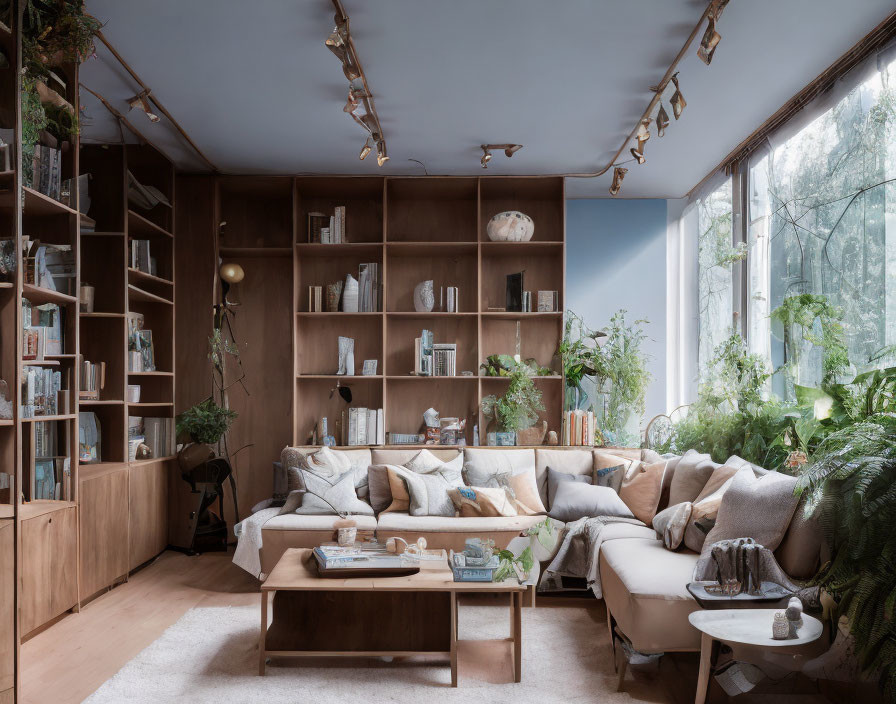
x=334 y=295
x=369 y=368
x=448 y=299
x=548 y=301
x=346 y=356
x=553 y=439
x=510 y=226
x=86 y=298
x=532 y=436
x=89 y=438
x=8 y=260
x=143 y=452
x=451 y=431
x=503 y=438
x=509 y=151
x=514 y=293
x=518 y=408
x=232 y=272
x=424 y=297
x=478 y=552
x=5 y=401
x=133 y=393
x=431 y=427
x=350 y=295
x=794 y=611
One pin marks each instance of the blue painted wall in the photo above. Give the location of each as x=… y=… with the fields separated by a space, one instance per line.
x=616 y=258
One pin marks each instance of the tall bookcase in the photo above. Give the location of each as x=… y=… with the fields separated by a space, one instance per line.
x=415 y=228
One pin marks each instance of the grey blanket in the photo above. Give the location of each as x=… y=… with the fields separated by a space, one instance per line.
x=578 y=553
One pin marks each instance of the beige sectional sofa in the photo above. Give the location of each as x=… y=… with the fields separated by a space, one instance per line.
x=643 y=584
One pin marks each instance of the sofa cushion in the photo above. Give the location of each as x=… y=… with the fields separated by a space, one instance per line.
x=328 y=495
x=691 y=473
x=387 y=491
x=326 y=462
x=752 y=507
x=575 y=500
x=705 y=508
x=555 y=477
x=567 y=461
x=799 y=554
x=670 y=524
x=641 y=489
x=400 y=456
x=398 y=490
x=607 y=458
x=611 y=477
x=622 y=531
x=474 y=502
x=296 y=521
x=403 y=522
x=429 y=491
x=644 y=588
x=483 y=467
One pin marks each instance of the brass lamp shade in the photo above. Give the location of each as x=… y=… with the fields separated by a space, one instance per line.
x=232 y=273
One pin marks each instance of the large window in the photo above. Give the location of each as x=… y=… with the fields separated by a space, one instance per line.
x=822 y=211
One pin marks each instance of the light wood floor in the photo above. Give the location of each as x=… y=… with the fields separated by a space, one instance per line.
x=70 y=660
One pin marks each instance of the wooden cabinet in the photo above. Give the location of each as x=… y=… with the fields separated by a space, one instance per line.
x=7 y=606
x=104 y=529
x=148 y=510
x=49 y=582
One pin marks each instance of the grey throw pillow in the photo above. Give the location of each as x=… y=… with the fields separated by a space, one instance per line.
x=486 y=480
x=555 y=477
x=574 y=501
x=328 y=496
x=671 y=523
x=429 y=492
x=692 y=472
x=609 y=476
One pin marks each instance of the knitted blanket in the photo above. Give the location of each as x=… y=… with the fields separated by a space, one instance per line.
x=248 y=548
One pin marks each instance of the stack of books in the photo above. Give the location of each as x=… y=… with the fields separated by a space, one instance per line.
x=92 y=380
x=365 y=426
x=45 y=439
x=444 y=359
x=43 y=330
x=49 y=266
x=578 y=428
x=141 y=259
x=369 y=288
x=40 y=392
x=323 y=229
x=315 y=299
x=158 y=434
x=46 y=170
x=364 y=556
x=52 y=478
x=423 y=362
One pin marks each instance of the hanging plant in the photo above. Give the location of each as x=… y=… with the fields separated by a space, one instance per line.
x=56 y=32
x=518 y=408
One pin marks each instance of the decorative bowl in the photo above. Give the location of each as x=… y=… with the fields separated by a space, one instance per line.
x=510 y=226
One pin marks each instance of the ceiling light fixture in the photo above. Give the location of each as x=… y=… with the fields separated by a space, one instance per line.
x=509 y=151
x=642 y=137
x=662 y=121
x=677 y=100
x=618 y=174
x=711 y=37
x=359 y=105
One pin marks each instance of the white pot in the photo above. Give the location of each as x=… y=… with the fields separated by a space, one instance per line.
x=510 y=226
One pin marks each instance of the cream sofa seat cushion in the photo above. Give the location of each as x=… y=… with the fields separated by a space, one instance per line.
x=644 y=588
x=578 y=462
x=619 y=531
x=295 y=521
x=403 y=522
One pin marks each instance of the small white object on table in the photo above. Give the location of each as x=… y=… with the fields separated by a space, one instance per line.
x=742 y=627
x=517 y=546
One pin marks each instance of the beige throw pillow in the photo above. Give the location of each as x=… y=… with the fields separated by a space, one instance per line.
x=692 y=472
x=641 y=489
x=671 y=523
x=472 y=502
x=706 y=506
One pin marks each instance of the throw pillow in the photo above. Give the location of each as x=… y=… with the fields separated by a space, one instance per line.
x=472 y=502
x=424 y=462
x=758 y=508
x=573 y=501
x=378 y=486
x=525 y=492
x=484 y=480
x=609 y=476
x=641 y=490
x=691 y=474
x=398 y=490
x=429 y=492
x=706 y=506
x=604 y=459
x=670 y=524
x=325 y=496
x=555 y=477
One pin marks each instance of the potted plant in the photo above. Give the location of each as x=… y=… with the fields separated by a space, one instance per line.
x=517 y=410
x=204 y=424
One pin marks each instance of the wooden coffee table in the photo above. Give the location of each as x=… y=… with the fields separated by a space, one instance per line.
x=364 y=616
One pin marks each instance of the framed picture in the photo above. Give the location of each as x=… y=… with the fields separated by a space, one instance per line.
x=369 y=368
x=143 y=340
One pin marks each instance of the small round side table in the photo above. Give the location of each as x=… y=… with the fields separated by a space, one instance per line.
x=742 y=627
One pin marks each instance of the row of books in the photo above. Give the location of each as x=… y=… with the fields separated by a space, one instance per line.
x=52 y=478
x=141 y=259
x=366 y=426
x=578 y=428
x=92 y=379
x=43 y=330
x=432 y=358
x=45 y=439
x=49 y=266
x=368 y=556
x=315 y=299
x=327 y=229
x=369 y=288
x=41 y=390
x=141 y=351
x=156 y=433
x=46 y=170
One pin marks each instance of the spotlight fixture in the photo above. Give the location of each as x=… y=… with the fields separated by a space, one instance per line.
x=709 y=42
x=618 y=174
x=642 y=137
x=141 y=102
x=359 y=104
x=677 y=100
x=365 y=150
x=662 y=121
x=509 y=151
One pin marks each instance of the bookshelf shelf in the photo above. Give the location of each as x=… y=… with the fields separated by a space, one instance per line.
x=150 y=373
x=417 y=378
x=137 y=275
x=138 y=294
x=141 y=227
x=6 y=422
x=41 y=507
x=342 y=377
x=340 y=314
x=40 y=363
x=41 y=205
x=305 y=249
x=102 y=315
x=41 y=419
x=505 y=315
x=39 y=295
x=7 y=284
x=148 y=404
x=100 y=402
x=254 y=252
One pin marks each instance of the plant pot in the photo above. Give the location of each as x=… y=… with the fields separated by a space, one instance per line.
x=532 y=436
x=192 y=455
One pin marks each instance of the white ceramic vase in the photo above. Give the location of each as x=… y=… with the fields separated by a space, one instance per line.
x=510 y=226
x=346 y=356
x=424 y=297
x=350 y=295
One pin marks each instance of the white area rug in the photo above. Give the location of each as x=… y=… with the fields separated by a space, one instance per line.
x=210 y=656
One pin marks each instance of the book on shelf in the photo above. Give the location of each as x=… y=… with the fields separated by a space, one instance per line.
x=514 y=293
x=156 y=433
x=315 y=299
x=405 y=439
x=141 y=352
x=423 y=358
x=365 y=426
x=444 y=359
x=578 y=428
x=369 y=288
x=49 y=266
x=43 y=330
x=41 y=389
x=90 y=438
x=448 y=299
x=44 y=439
x=141 y=259
x=45 y=171
x=316 y=223
x=548 y=301
x=92 y=379
x=527 y=301
x=327 y=229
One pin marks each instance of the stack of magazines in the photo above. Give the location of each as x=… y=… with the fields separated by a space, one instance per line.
x=366 y=556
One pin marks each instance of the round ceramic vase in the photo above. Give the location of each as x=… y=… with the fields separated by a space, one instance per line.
x=510 y=226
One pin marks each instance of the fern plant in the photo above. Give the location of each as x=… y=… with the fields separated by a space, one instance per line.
x=851 y=486
x=518 y=408
x=205 y=422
